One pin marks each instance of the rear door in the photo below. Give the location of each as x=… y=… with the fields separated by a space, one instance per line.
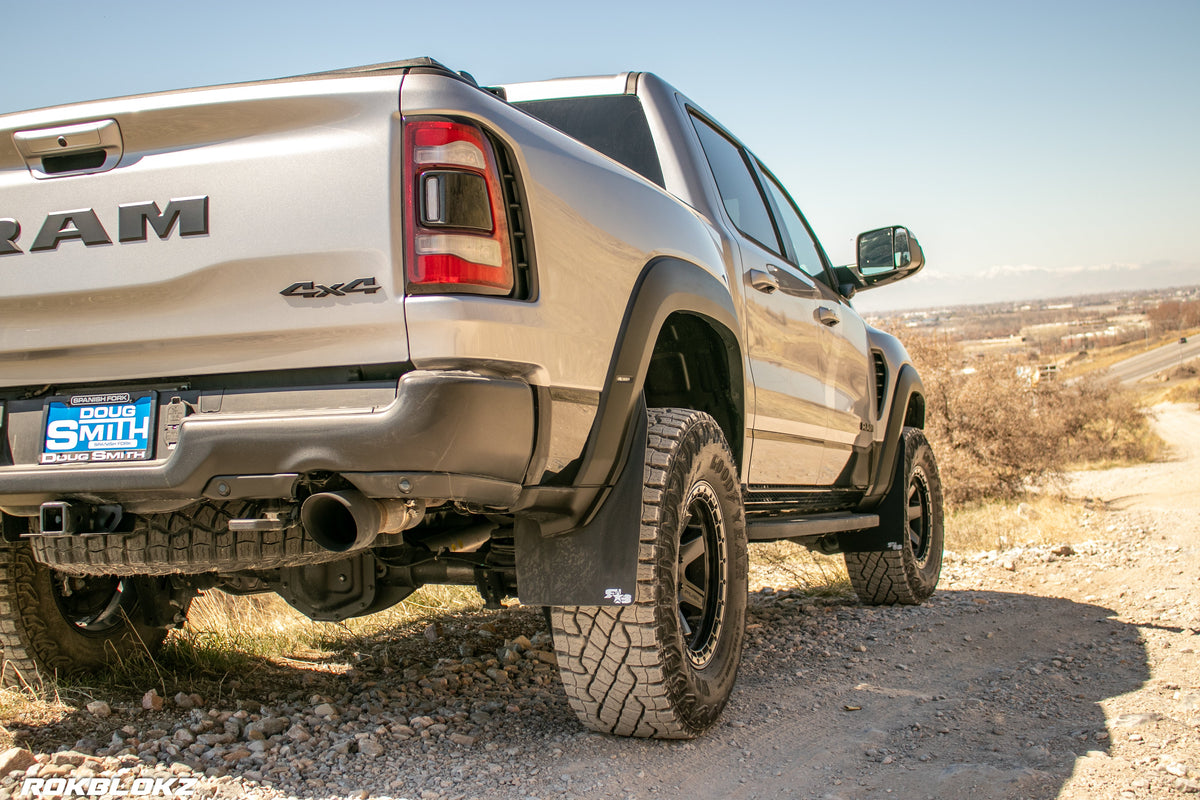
x=847 y=399
x=784 y=339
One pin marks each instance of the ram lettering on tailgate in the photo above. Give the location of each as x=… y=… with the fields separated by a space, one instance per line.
x=191 y=214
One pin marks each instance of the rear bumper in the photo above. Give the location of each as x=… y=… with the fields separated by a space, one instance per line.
x=447 y=435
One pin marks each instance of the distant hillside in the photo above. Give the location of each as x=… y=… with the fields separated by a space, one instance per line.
x=933 y=287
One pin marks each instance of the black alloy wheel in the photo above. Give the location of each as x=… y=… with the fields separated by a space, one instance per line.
x=920 y=523
x=701 y=584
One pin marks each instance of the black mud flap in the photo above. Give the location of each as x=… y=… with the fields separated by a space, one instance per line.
x=595 y=564
x=882 y=537
x=873 y=540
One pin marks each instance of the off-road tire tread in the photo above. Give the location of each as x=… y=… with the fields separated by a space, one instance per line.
x=192 y=541
x=22 y=631
x=879 y=578
x=35 y=641
x=618 y=677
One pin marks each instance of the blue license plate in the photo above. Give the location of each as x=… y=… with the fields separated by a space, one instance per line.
x=99 y=428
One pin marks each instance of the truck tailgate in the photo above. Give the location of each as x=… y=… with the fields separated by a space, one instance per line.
x=178 y=256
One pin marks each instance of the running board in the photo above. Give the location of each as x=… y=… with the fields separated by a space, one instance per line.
x=758 y=530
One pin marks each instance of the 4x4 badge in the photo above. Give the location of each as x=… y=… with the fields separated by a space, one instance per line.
x=311 y=291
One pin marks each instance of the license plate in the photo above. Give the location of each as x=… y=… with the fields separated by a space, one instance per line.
x=99 y=428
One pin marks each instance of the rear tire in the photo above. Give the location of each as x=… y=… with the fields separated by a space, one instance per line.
x=911 y=516
x=664 y=665
x=52 y=624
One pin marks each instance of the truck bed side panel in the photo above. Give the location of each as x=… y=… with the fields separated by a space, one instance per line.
x=595 y=226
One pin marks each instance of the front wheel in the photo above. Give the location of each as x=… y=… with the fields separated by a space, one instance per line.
x=907 y=571
x=664 y=665
x=54 y=624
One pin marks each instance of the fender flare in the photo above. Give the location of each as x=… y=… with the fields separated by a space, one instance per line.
x=561 y=530
x=908 y=385
x=666 y=286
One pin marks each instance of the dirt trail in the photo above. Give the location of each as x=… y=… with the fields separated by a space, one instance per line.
x=1173 y=485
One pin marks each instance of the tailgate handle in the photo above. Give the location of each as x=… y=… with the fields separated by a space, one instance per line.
x=71 y=149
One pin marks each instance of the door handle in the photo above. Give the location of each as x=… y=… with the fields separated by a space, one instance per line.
x=827 y=316
x=762 y=280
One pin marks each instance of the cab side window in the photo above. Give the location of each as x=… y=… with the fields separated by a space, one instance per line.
x=739 y=190
x=807 y=256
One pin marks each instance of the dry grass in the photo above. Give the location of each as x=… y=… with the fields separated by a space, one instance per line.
x=1183 y=389
x=31 y=707
x=1000 y=525
x=1127 y=445
x=266 y=626
x=1185 y=392
x=788 y=565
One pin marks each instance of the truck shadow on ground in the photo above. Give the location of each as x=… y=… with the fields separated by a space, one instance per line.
x=981 y=694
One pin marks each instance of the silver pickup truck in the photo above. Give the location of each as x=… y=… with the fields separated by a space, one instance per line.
x=343 y=335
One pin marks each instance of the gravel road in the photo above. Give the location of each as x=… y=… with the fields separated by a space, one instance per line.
x=1063 y=671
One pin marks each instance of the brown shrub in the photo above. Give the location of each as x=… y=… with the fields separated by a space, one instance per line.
x=998 y=433
x=1104 y=424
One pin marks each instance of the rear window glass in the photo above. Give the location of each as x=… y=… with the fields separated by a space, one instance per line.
x=615 y=125
x=737 y=186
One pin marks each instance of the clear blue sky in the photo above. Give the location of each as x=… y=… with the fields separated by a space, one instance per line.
x=1036 y=148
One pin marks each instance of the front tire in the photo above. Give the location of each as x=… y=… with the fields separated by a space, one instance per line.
x=911 y=516
x=53 y=624
x=664 y=665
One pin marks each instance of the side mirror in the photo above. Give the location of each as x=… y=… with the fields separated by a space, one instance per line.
x=886 y=255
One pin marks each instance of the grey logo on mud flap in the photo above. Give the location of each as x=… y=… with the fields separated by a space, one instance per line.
x=618 y=597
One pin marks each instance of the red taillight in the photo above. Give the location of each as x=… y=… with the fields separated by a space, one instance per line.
x=457 y=230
